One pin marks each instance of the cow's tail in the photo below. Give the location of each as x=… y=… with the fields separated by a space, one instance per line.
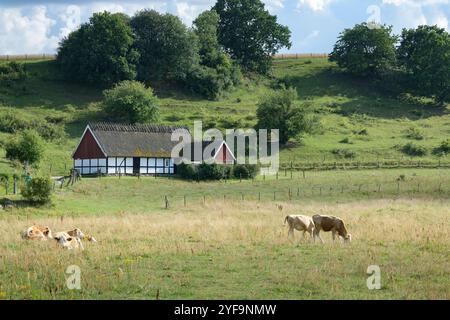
x=286 y=219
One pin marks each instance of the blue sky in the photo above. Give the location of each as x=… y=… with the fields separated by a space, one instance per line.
x=28 y=26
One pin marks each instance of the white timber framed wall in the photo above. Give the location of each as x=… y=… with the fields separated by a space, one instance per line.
x=125 y=165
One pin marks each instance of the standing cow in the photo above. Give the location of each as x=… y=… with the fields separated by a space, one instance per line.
x=330 y=223
x=300 y=223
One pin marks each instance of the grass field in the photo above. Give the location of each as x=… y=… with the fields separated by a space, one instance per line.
x=236 y=250
x=346 y=106
x=226 y=239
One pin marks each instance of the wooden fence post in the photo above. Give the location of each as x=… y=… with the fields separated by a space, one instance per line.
x=184 y=200
x=15 y=185
x=259 y=196
x=166 y=201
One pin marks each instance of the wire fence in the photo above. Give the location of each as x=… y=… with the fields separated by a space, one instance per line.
x=47 y=56
x=302 y=192
x=300 y=55
x=21 y=57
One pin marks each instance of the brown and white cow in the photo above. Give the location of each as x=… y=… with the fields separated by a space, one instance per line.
x=300 y=223
x=330 y=223
x=68 y=242
x=79 y=234
x=37 y=233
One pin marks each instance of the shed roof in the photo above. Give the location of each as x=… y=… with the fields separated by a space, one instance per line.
x=137 y=140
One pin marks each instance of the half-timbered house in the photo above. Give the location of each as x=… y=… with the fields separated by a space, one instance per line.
x=143 y=149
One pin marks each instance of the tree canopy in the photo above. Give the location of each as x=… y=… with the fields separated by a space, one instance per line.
x=425 y=54
x=280 y=110
x=365 y=50
x=168 y=49
x=131 y=101
x=250 y=34
x=28 y=148
x=100 y=51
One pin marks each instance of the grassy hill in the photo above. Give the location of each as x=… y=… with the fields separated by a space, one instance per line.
x=360 y=121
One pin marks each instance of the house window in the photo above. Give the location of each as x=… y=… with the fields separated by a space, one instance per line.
x=90 y=166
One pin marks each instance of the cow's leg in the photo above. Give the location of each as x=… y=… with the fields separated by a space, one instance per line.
x=317 y=234
x=291 y=231
x=333 y=233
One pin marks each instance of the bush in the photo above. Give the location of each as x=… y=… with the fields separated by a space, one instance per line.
x=245 y=171
x=12 y=72
x=210 y=172
x=48 y=131
x=344 y=153
x=29 y=148
x=443 y=148
x=38 y=190
x=186 y=171
x=131 y=101
x=414 y=133
x=11 y=123
x=345 y=140
x=412 y=149
x=279 y=110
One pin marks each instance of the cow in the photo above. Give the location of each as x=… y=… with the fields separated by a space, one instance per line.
x=79 y=234
x=36 y=232
x=68 y=242
x=330 y=223
x=300 y=223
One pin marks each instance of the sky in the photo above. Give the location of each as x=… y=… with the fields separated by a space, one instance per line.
x=37 y=26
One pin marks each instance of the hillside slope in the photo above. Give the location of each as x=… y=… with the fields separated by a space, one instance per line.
x=360 y=122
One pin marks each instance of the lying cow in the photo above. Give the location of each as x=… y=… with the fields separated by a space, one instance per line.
x=330 y=223
x=68 y=242
x=79 y=234
x=37 y=233
x=300 y=223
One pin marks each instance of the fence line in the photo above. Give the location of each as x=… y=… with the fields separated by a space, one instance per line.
x=299 y=55
x=17 y=57
x=396 y=188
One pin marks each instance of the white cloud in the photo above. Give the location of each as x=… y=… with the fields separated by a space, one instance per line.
x=440 y=20
x=30 y=33
x=315 y=5
x=274 y=5
x=413 y=13
x=71 y=17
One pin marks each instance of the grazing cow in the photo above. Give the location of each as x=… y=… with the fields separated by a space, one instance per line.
x=37 y=233
x=68 y=242
x=330 y=223
x=300 y=223
x=79 y=234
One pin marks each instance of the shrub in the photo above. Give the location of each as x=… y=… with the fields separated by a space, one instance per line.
x=11 y=123
x=29 y=148
x=48 y=131
x=131 y=101
x=209 y=172
x=245 y=171
x=344 y=153
x=186 y=171
x=443 y=148
x=414 y=133
x=345 y=140
x=412 y=149
x=12 y=72
x=279 y=110
x=38 y=190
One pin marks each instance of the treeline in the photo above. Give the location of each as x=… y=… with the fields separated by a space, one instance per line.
x=417 y=61
x=234 y=36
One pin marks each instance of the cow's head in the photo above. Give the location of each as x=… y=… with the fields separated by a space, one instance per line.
x=348 y=238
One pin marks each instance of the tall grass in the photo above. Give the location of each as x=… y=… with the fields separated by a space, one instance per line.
x=233 y=250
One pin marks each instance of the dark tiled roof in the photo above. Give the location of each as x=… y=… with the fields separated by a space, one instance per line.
x=202 y=145
x=138 y=140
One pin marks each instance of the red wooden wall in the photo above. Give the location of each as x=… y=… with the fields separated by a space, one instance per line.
x=88 y=148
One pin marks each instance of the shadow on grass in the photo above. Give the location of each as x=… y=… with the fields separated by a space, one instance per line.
x=362 y=96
